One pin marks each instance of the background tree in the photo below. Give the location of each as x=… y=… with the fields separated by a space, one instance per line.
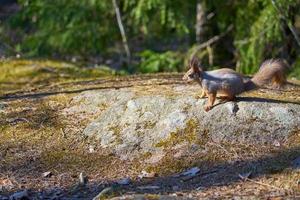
x=158 y=31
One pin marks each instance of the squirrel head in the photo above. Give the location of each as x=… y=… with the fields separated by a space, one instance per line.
x=194 y=72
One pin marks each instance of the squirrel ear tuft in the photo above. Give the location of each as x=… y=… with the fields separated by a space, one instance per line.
x=196 y=68
x=194 y=64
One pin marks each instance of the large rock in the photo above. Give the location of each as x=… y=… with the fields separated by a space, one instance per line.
x=146 y=120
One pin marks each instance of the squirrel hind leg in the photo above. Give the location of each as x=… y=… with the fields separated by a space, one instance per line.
x=231 y=98
x=227 y=98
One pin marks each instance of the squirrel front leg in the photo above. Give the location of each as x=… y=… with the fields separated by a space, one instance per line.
x=203 y=94
x=211 y=101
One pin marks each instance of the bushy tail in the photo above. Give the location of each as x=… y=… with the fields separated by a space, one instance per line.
x=272 y=70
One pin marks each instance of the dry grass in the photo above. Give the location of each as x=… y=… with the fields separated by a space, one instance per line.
x=36 y=137
x=29 y=75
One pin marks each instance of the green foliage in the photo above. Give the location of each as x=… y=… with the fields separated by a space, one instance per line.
x=295 y=73
x=251 y=40
x=63 y=26
x=160 y=16
x=89 y=28
x=258 y=32
x=259 y=29
x=160 y=62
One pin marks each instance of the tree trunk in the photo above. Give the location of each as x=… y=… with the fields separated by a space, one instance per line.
x=122 y=31
x=200 y=20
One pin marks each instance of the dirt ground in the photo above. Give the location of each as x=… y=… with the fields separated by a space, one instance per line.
x=44 y=153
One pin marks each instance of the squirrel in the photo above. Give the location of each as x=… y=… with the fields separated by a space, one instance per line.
x=228 y=83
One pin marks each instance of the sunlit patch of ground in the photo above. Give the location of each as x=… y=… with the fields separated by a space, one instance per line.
x=27 y=75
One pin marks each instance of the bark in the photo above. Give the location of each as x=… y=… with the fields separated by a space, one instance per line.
x=122 y=31
x=200 y=21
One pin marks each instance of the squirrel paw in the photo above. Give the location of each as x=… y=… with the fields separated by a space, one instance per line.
x=207 y=108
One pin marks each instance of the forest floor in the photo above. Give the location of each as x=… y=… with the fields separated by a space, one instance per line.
x=43 y=153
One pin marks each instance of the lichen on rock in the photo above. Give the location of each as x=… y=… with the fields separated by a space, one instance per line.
x=134 y=123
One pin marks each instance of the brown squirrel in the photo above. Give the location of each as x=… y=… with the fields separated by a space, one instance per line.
x=228 y=83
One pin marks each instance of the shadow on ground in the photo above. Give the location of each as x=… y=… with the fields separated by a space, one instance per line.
x=221 y=174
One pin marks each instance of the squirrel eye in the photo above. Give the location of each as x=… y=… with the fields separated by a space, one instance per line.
x=191 y=75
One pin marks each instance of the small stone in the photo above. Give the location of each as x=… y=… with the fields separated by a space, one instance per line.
x=145 y=174
x=82 y=179
x=47 y=174
x=91 y=149
x=124 y=181
x=276 y=143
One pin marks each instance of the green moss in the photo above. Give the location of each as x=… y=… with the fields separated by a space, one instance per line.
x=26 y=69
x=62 y=158
x=26 y=74
x=149 y=125
x=117 y=133
x=204 y=137
x=169 y=165
x=146 y=155
x=187 y=108
x=152 y=196
x=103 y=106
x=188 y=134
